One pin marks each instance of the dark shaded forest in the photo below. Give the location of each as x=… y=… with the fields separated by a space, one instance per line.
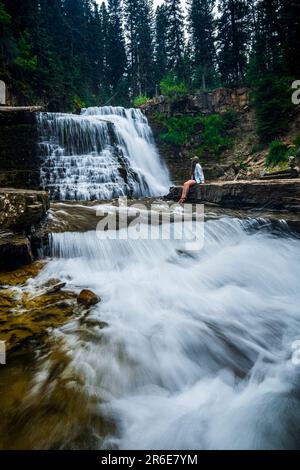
x=66 y=54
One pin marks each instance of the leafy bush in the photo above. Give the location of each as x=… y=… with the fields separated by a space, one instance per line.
x=179 y=129
x=278 y=153
x=209 y=132
x=140 y=100
x=213 y=135
x=170 y=86
x=78 y=102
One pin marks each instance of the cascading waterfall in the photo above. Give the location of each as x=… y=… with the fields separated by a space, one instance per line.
x=197 y=351
x=102 y=153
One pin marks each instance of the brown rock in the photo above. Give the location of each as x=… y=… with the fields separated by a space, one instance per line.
x=55 y=288
x=271 y=194
x=87 y=298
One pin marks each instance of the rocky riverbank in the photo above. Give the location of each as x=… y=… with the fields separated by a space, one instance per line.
x=21 y=235
x=273 y=195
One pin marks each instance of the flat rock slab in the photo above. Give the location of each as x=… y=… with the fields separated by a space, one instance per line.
x=271 y=194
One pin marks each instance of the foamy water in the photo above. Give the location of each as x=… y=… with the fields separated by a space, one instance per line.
x=103 y=153
x=197 y=352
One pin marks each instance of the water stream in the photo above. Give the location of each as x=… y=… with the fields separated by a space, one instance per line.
x=187 y=350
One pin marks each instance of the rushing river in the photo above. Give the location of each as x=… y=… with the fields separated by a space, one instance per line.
x=188 y=349
x=185 y=351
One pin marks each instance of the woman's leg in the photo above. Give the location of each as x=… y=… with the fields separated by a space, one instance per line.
x=186 y=188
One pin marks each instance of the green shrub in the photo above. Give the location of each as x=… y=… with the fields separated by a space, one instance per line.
x=278 y=153
x=179 y=129
x=171 y=86
x=140 y=100
x=213 y=135
x=209 y=132
x=78 y=102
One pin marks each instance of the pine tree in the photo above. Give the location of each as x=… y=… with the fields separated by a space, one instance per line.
x=138 y=18
x=175 y=37
x=160 y=52
x=116 y=55
x=290 y=29
x=202 y=30
x=233 y=40
x=146 y=48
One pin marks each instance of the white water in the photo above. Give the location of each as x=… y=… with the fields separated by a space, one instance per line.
x=198 y=350
x=101 y=154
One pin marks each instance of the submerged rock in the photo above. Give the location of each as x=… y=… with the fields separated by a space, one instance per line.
x=26 y=317
x=22 y=275
x=87 y=298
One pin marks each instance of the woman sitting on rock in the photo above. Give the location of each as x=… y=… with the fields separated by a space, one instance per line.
x=196 y=178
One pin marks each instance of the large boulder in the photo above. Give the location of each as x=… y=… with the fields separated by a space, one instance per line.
x=87 y=298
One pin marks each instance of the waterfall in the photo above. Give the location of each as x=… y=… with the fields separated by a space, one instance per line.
x=102 y=153
x=197 y=349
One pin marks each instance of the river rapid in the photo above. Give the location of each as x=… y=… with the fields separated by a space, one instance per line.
x=187 y=350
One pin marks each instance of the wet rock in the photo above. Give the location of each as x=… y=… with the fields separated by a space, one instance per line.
x=272 y=194
x=22 y=275
x=87 y=298
x=53 y=285
x=15 y=250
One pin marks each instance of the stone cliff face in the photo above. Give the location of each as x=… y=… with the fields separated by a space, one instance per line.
x=21 y=212
x=19 y=162
x=219 y=101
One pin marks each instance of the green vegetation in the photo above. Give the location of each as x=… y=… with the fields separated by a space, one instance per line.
x=272 y=102
x=140 y=100
x=278 y=153
x=172 y=87
x=209 y=134
x=296 y=141
x=5 y=18
x=64 y=53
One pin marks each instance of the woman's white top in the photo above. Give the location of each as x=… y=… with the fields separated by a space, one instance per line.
x=198 y=174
